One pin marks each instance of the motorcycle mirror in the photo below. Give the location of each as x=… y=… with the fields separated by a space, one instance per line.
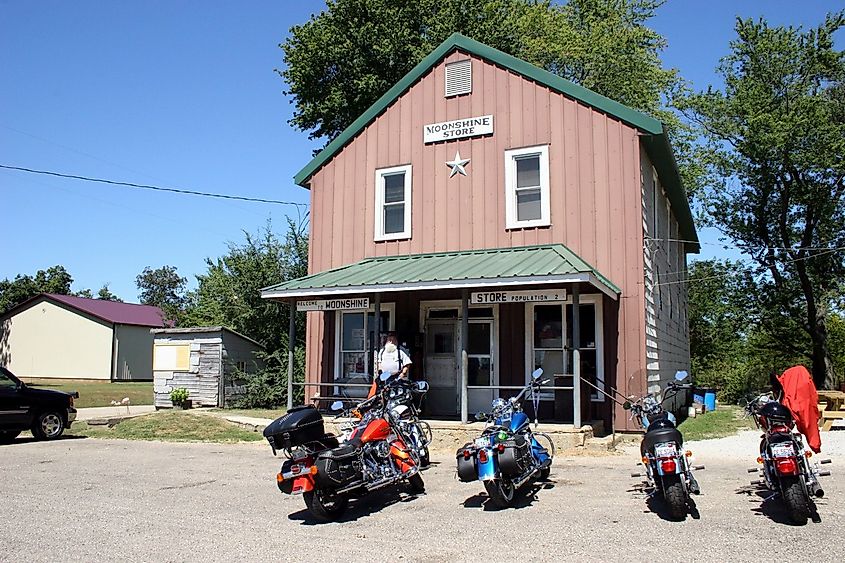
x=480 y=416
x=336 y=406
x=537 y=373
x=422 y=385
x=626 y=405
x=681 y=375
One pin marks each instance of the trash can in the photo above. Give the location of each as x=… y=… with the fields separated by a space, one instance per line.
x=710 y=399
x=698 y=396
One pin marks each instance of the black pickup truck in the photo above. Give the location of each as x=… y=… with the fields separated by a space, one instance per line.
x=43 y=411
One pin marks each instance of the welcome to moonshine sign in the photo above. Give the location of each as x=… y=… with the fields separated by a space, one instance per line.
x=458 y=129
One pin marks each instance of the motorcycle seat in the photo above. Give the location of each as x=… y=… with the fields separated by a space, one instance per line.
x=340 y=453
x=660 y=435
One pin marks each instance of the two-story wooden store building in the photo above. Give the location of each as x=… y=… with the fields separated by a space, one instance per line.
x=473 y=208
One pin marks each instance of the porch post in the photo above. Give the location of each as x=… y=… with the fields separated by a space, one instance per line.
x=576 y=356
x=464 y=361
x=291 y=346
x=376 y=332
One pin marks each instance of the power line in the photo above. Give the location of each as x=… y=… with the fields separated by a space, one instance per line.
x=726 y=246
x=150 y=187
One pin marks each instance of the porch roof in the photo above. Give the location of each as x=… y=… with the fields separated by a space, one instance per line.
x=497 y=267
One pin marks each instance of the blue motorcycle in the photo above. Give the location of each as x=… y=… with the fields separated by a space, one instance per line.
x=507 y=455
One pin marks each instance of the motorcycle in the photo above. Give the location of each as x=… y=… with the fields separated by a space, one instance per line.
x=403 y=400
x=784 y=461
x=328 y=473
x=507 y=456
x=667 y=467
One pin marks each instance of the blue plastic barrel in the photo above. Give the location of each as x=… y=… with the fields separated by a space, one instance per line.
x=710 y=400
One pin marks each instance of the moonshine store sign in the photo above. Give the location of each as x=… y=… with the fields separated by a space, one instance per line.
x=490 y=297
x=458 y=129
x=333 y=304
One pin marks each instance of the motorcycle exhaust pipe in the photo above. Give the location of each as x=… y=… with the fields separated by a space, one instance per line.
x=817 y=491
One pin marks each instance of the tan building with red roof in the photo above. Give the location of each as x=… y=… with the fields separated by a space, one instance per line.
x=68 y=337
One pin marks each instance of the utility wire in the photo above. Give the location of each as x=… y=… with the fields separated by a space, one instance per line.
x=149 y=187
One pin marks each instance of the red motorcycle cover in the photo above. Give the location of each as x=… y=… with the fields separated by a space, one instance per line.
x=801 y=398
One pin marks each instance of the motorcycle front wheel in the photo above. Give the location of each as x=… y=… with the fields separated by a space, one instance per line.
x=676 y=499
x=796 y=499
x=323 y=506
x=501 y=492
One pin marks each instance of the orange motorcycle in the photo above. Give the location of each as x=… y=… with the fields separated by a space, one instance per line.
x=328 y=473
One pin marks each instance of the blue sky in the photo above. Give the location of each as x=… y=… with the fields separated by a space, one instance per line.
x=183 y=94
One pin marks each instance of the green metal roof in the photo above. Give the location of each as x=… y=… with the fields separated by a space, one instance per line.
x=655 y=141
x=525 y=265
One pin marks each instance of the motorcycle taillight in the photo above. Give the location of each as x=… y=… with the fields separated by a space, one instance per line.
x=787 y=466
x=668 y=465
x=482 y=456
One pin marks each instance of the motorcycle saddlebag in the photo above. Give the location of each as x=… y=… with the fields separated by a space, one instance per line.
x=514 y=458
x=336 y=467
x=299 y=426
x=286 y=486
x=466 y=466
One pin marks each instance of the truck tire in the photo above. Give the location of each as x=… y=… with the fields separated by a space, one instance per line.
x=8 y=436
x=48 y=425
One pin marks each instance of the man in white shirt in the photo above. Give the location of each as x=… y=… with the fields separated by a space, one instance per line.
x=392 y=359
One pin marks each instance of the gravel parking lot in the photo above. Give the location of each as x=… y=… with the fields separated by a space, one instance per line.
x=103 y=500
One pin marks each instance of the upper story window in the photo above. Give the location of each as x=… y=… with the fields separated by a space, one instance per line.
x=393 y=203
x=458 y=78
x=527 y=187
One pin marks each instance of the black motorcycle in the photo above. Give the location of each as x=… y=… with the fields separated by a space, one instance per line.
x=667 y=468
x=784 y=461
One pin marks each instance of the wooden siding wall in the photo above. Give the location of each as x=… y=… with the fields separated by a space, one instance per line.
x=203 y=378
x=594 y=184
x=667 y=331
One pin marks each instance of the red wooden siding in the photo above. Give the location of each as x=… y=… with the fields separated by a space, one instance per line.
x=594 y=164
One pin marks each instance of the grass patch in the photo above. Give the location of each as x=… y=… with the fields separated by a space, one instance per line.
x=725 y=421
x=272 y=414
x=171 y=426
x=99 y=393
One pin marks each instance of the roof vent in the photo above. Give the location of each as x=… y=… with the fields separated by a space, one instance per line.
x=459 y=78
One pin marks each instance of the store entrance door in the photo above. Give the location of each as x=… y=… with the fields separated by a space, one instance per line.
x=441 y=367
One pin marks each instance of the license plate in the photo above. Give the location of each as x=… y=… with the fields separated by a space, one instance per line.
x=483 y=442
x=664 y=450
x=782 y=450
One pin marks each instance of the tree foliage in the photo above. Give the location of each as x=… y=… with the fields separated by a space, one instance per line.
x=105 y=294
x=164 y=288
x=229 y=294
x=55 y=279
x=777 y=178
x=343 y=59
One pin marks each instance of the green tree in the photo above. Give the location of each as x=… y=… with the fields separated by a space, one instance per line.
x=52 y=280
x=229 y=294
x=343 y=59
x=164 y=288
x=777 y=134
x=106 y=295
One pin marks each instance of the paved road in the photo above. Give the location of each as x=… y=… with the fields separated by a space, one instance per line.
x=99 y=500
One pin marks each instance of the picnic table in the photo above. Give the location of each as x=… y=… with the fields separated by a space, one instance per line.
x=831 y=407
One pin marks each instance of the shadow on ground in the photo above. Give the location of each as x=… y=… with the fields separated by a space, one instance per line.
x=360 y=508
x=523 y=498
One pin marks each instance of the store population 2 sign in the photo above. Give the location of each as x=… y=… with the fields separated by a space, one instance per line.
x=458 y=129
x=333 y=304
x=491 y=297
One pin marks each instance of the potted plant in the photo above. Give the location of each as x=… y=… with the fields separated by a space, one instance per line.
x=179 y=398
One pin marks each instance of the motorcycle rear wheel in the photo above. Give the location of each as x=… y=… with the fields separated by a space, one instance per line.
x=323 y=506
x=501 y=492
x=673 y=494
x=797 y=501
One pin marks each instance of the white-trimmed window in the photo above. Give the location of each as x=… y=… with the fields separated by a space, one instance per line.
x=393 y=203
x=355 y=334
x=527 y=187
